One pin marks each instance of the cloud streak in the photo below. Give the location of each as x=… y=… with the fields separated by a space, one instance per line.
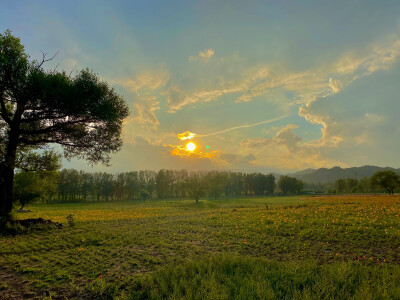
x=243 y=126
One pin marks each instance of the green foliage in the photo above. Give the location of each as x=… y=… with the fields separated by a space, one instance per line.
x=196 y=185
x=82 y=114
x=27 y=187
x=216 y=182
x=351 y=185
x=290 y=185
x=144 y=194
x=387 y=180
x=364 y=186
x=83 y=186
x=37 y=179
x=340 y=186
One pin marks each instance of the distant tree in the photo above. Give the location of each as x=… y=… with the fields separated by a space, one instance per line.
x=48 y=185
x=26 y=188
x=270 y=184
x=351 y=185
x=340 y=186
x=107 y=186
x=299 y=186
x=235 y=184
x=82 y=114
x=259 y=183
x=35 y=185
x=195 y=186
x=216 y=182
x=37 y=177
x=364 y=185
x=144 y=195
x=289 y=185
x=162 y=184
x=387 y=180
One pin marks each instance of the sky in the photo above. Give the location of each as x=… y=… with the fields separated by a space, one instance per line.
x=270 y=86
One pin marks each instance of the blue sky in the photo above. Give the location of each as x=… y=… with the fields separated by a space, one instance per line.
x=322 y=75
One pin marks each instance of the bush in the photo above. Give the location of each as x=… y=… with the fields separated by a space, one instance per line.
x=71 y=220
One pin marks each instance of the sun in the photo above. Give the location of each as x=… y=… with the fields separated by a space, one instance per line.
x=190 y=146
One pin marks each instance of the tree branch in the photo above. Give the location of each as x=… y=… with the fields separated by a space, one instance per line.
x=48 y=141
x=44 y=60
x=42 y=118
x=54 y=127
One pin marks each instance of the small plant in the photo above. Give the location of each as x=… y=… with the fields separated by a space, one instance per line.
x=71 y=220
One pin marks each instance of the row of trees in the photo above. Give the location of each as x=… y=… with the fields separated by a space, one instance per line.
x=381 y=180
x=73 y=185
x=164 y=184
x=80 y=186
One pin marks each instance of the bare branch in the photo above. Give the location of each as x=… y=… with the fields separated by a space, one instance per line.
x=54 y=70
x=69 y=75
x=44 y=60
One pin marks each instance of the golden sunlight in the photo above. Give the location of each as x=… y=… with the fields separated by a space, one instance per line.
x=190 y=146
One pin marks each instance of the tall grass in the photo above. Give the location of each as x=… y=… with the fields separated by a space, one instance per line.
x=234 y=277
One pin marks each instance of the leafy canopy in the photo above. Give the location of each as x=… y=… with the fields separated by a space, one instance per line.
x=388 y=180
x=38 y=107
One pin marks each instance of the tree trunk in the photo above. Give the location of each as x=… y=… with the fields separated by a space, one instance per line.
x=6 y=192
x=7 y=179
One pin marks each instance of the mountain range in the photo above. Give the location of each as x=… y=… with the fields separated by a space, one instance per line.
x=324 y=175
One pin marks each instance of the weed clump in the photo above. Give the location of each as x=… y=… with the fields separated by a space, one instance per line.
x=71 y=220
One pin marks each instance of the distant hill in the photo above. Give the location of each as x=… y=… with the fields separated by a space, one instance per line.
x=303 y=172
x=324 y=175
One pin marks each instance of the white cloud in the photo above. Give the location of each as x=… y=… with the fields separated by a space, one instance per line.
x=203 y=56
x=285 y=151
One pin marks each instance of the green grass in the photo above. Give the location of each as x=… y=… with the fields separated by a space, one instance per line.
x=257 y=278
x=307 y=248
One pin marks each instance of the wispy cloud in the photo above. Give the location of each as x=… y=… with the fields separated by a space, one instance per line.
x=307 y=87
x=203 y=56
x=146 y=87
x=243 y=126
x=284 y=151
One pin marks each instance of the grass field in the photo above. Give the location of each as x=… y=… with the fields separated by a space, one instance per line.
x=331 y=247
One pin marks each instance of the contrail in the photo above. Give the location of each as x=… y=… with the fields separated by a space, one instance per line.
x=243 y=126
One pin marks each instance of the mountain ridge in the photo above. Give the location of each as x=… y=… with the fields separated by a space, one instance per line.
x=326 y=175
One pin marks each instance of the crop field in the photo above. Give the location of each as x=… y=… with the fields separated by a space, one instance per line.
x=298 y=247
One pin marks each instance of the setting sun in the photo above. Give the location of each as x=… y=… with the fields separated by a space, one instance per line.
x=190 y=146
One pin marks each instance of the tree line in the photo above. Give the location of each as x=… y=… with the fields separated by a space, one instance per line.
x=387 y=181
x=69 y=185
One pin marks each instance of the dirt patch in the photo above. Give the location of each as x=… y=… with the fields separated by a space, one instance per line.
x=39 y=221
x=24 y=211
x=14 y=287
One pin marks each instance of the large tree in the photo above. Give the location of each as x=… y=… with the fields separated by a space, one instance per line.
x=388 y=180
x=80 y=113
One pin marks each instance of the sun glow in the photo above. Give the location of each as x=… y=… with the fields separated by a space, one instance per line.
x=190 y=146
